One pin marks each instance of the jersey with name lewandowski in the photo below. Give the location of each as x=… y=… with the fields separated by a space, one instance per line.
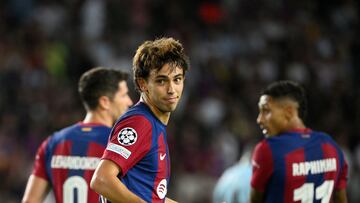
x=68 y=159
x=298 y=166
x=138 y=146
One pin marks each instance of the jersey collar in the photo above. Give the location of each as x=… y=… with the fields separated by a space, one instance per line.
x=90 y=124
x=300 y=130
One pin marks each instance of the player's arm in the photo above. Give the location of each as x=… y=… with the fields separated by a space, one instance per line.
x=340 y=196
x=340 y=188
x=262 y=168
x=168 y=200
x=106 y=183
x=38 y=185
x=256 y=196
x=36 y=190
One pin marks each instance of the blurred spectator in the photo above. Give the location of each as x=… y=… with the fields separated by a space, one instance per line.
x=236 y=47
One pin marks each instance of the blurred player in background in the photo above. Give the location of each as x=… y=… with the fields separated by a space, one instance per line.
x=234 y=184
x=136 y=165
x=65 y=162
x=294 y=163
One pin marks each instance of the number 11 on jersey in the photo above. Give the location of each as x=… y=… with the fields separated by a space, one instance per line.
x=305 y=193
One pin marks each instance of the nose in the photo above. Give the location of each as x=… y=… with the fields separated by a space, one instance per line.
x=171 y=88
x=259 y=119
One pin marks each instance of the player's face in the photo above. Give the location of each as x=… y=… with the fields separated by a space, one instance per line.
x=271 y=116
x=165 y=87
x=120 y=102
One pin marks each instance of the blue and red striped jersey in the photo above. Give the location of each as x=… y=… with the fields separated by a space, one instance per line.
x=298 y=166
x=138 y=146
x=68 y=159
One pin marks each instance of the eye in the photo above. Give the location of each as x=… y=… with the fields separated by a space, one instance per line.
x=178 y=80
x=160 y=81
x=264 y=110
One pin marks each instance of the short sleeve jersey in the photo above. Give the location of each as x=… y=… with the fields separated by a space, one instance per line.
x=138 y=146
x=68 y=159
x=298 y=166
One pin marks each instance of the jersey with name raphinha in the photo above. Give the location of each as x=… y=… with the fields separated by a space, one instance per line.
x=298 y=166
x=138 y=146
x=68 y=159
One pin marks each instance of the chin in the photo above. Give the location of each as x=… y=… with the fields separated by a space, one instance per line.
x=169 y=108
x=269 y=135
x=172 y=107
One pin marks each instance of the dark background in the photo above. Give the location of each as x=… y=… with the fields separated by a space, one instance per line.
x=236 y=48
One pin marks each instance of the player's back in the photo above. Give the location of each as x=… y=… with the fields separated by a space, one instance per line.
x=70 y=158
x=306 y=167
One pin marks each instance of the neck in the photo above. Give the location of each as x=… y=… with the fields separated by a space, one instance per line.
x=162 y=116
x=98 y=117
x=296 y=123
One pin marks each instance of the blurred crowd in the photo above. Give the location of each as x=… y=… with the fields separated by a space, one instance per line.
x=236 y=48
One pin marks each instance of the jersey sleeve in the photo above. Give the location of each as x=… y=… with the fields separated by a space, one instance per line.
x=129 y=142
x=39 y=169
x=341 y=183
x=262 y=166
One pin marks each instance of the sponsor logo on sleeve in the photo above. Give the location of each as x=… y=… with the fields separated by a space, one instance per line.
x=122 y=151
x=127 y=136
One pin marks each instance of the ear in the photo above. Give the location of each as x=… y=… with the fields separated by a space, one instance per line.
x=104 y=102
x=289 y=112
x=142 y=84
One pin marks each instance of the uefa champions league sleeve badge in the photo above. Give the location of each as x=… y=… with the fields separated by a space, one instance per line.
x=127 y=136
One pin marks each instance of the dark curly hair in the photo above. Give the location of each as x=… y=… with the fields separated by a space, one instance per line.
x=291 y=90
x=155 y=54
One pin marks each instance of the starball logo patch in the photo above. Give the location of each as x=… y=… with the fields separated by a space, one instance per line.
x=127 y=136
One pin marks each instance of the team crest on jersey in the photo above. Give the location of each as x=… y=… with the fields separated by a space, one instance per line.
x=161 y=189
x=127 y=136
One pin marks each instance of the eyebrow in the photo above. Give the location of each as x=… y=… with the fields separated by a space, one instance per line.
x=179 y=75
x=165 y=76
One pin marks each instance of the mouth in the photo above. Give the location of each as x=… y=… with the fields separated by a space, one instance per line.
x=171 y=99
x=264 y=130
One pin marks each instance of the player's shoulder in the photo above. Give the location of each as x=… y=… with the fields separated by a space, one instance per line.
x=139 y=115
x=63 y=134
x=133 y=122
x=65 y=131
x=325 y=137
x=262 y=142
x=320 y=133
x=138 y=108
x=262 y=145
